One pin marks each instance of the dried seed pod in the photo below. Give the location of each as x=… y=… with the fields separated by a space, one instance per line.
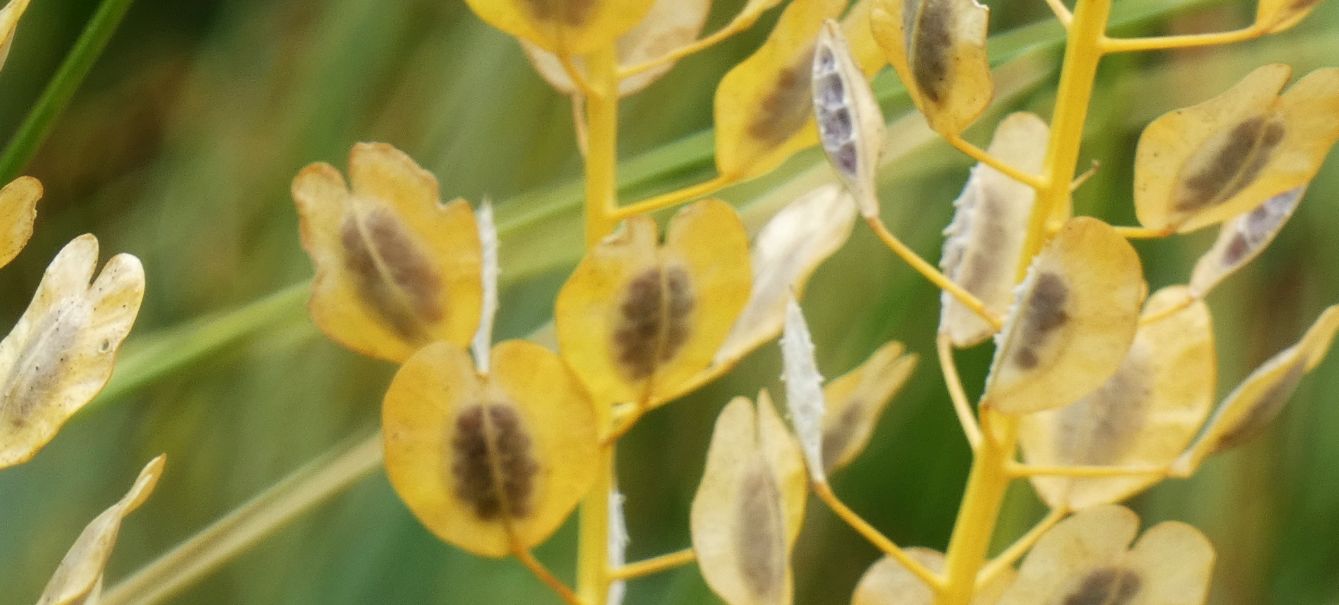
x=9 y=23
x=984 y=243
x=18 y=210
x=61 y=352
x=1260 y=398
x=856 y=400
x=567 y=27
x=887 y=582
x=1072 y=322
x=1144 y=415
x=1242 y=239
x=763 y=110
x=395 y=269
x=78 y=579
x=636 y=320
x=492 y=462
x=1214 y=161
x=850 y=125
x=938 y=48
x=804 y=389
x=1278 y=15
x=748 y=509
x=785 y=253
x=670 y=24
x=1087 y=558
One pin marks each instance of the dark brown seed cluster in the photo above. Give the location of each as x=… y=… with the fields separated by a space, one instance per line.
x=655 y=312
x=1265 y=408
x=1099 y=428
x=840 y=434
x=760 y=533
x=391 y=273
x=928 y=25
x=1043 y=314
x=786 y=109
x=492 y=466
x=1107 y=586
x=570 y=12
x=1233 y=165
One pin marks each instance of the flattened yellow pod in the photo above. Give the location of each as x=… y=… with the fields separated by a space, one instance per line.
x=1214 y=161
x=1242 y=239
x=1278 y=15
x=18 y=210
x=1072 y=323
x=858 y=29
x=61 y=352
x=9 y=23
x=489 y=463
x=856 y=400
x=78 y=579
x=748 y=509
x=395 y=269
x=635 y=320
x=938 y=48
x=887 y=582
x=1087 y=558
x=1144 y=415
x=762 y=109
x=1260 y=398
x=568 y=27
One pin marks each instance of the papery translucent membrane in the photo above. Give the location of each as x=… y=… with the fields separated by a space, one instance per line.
x=670 y=24
x=1072 y=322
x=1278 y=15
x=1144 y=415
x=887 y=582
x=763 y=111
x=856 y=400
x=1087 y=558
x=61 y=351
x=1214 y=161
x=1242 y=239
x=750 y=505
x=1260 y=398
x=18 y=210
x=804 y=388
x=850 y=125
x=78 y=580
x=9 y=23
x=489 y=463
x=984 y=243
x=938 y=48
x=395 y=269
x=569 y=27
x=636 y=319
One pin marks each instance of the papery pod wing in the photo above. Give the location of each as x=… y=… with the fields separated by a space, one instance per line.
x=1260 y=398
x=568 y=27
x=850 y=124
x=1144 y=415
x=670 y=24
x=395 y=269
x=938 y=48
x=748 y=509
x=637 y=320
x=489 y=463
x=856 y=400
x=763 y=111
x=18 y=210
x=1214 y=161
x=1242 y=239
x=785 y=253
x=61 y=352
x=1087 y=558
x=9 y=23
x=1072 y=323
x=887 y=582
x=78 y=579
x=984 y=243
x=1278 y=15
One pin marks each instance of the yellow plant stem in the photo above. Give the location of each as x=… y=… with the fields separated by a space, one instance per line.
x=980 y=509
x=985 y=157
x=1017 y=469
x=673 y=198
x=961 y=406
x=1061 y=12
x=1020 y=547
x=869 y=533
x=931 y=273
x=546 y=576
x=1143 y=232
x=1168 y=311
x=1125 y=45
x=654 y=565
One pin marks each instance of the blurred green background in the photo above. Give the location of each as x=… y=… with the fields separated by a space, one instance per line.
x=180 y=146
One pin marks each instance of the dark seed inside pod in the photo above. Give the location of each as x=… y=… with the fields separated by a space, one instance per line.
x=1043 y=314
x=1265 y=408
x=1229 y=163
x=787 y=107
x=391 y=274
x=655 y=320
x=839 y=434
x=1101 y=427
x=929 y=33
x=1106 y=586
x=491 y=463
x=569 y=12
x=760 y=533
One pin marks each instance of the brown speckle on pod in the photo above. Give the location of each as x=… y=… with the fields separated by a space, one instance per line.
x=391 y=273
x=492 y=465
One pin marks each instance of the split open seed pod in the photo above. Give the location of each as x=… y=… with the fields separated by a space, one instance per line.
x=489 y=463
x=1214 y=161
x=850 y=124
x=18 y=210
x=857 y=399
x=750 y=505
x=566 y=27
x=61 y=352
x=887 y=582
x=1072 y=323
x=1242 y=239
x=938 y=48
x=637 y=319
x=1144 y=415
x=395 y=269
x=1087 y=558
